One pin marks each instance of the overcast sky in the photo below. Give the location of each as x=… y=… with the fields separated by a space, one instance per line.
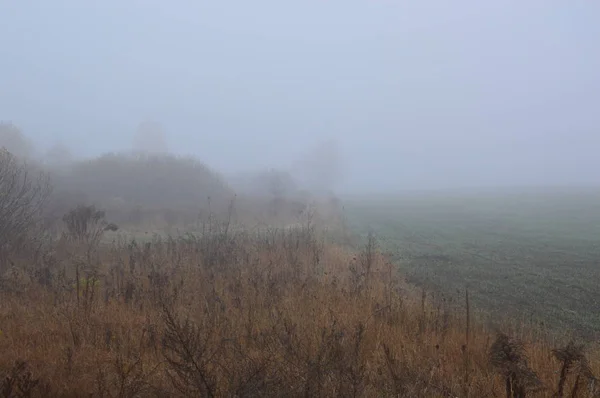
x=418 y=94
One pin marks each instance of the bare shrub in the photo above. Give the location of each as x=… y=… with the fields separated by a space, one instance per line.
x=190 y=353
x=85 y=227
x=85 y=224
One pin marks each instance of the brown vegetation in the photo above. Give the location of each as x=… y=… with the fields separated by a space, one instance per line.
x=277 y=313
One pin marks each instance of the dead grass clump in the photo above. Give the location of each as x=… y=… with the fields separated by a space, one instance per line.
x=573 y=362
x=508 y=356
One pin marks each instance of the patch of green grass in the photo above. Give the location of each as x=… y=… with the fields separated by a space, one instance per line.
x=532 y=253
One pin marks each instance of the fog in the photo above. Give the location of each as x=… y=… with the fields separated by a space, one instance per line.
x=414 y=95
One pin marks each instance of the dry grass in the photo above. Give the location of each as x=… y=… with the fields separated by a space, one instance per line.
x=238 y=315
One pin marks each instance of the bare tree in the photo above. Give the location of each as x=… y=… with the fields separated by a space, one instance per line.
x=13 y=139
x=320 y=169
x=23 y=193
x=150 y=138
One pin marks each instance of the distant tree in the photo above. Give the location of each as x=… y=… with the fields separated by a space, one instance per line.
x=58 y=156
x=148 y=180
x=150 y=138
x=320 y=168
x=277 y=183
x=15 y=142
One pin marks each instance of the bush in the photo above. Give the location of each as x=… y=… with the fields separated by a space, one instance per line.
x=146 y=180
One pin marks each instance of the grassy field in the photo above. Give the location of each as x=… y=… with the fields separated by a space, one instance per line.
x=535 y=253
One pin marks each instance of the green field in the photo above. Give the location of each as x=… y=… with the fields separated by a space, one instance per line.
x=532 y=253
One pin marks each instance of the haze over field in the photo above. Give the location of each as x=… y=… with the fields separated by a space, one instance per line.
x=417 y=95
x=299 y=198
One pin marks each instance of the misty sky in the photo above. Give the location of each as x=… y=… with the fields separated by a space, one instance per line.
x=419 y=94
